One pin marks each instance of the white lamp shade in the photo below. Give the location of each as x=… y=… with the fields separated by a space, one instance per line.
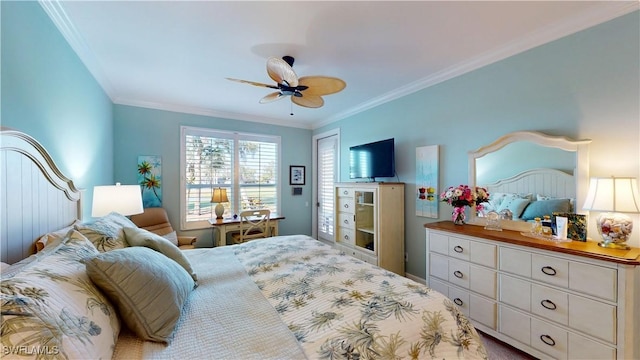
x=123 y=199
x=617 y=194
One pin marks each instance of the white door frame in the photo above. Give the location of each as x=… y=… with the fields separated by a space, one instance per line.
x=314 y=166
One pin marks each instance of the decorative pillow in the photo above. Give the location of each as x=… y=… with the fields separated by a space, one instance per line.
x=54 y=237
x=495 y=199
x=148 y=288
x=106 y=233
x=142 y=237
x=172 y=237
x=51 y=305
x=572 y=201
x=4 y=266
x=545 y=207
x=515 y=205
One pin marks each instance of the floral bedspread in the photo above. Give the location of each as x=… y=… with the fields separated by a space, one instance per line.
x=339 y=307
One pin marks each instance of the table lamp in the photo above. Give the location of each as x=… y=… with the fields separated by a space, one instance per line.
x=219 y=196
x=613 y=196
x=123 y=199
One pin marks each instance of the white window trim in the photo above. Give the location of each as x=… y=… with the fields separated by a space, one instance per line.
x=194 y=225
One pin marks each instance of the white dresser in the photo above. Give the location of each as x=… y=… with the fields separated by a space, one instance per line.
x=564 y=301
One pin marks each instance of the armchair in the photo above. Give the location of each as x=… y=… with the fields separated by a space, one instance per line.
x=155 y=219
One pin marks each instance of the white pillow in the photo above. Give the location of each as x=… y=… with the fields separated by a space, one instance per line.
x=67 y=314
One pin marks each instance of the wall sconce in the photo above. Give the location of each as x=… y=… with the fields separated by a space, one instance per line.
x=613 y=195
x=123 y=199
x=219 y=196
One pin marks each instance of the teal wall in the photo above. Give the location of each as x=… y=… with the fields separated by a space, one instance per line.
x=49 y=94
x=582 y=86
x=140 y=131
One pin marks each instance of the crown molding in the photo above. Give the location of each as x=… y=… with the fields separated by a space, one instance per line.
x=550 y=33
x=56 y=13
x=211 y=113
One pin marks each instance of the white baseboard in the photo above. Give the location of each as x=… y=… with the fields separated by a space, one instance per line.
x=415 y=278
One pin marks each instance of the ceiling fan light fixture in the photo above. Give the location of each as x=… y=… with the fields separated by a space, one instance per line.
x=305 y=91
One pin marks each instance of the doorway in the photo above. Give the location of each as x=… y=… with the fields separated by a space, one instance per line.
x=326 y=162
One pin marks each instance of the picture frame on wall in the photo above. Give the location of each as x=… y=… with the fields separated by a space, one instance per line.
x=296 y=175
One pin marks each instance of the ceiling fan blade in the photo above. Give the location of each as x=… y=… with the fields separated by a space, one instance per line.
x=281 y=72
x=271 y=97
x=253 y=83
x=321 y=85
x=309 y=101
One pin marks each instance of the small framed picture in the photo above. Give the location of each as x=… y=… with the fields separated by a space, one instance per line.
x=296 y=175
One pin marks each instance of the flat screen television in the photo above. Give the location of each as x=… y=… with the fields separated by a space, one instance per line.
x=372 y=160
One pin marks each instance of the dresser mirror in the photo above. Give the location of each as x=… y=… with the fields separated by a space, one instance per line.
x=532 y=166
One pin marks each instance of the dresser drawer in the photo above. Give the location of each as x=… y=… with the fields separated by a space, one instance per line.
x=439 y=266
x=483 y=311
x=593 y=280
x=583 y=348
x=515 y=261
x=460 y=298
x=515 y=292
x=439 y=286
x=346 y=220
x=346 y=236
x=459 y=273
x=439 y=243
x=459 y=248
x=515 y=324
x=346 y=205
x=549 y=339
x=483 y=254
x=345 y=192
x=550 y=303
x=483 y=281
x=592 y=317
x=551 y=270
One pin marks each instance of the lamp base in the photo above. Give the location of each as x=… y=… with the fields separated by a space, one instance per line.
x=219 y=211
x=615 y=229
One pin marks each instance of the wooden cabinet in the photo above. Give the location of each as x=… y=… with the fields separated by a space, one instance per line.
x=370 y=223
x=563 y=301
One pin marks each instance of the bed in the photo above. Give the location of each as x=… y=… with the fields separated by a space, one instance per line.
x=532 y=193
x=286 y=297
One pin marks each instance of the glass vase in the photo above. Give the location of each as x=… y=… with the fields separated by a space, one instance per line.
x=458 y=215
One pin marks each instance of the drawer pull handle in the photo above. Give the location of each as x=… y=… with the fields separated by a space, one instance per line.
x=548 y=270
x=346 y=237
x=458 y=301
x=548 y=340
x=458 y=249
x=457 y=274
x=346 y=192
x=548 y=304
x=346 y=206
x=346 y=221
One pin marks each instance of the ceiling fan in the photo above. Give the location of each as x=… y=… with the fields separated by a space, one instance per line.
x=306 y=91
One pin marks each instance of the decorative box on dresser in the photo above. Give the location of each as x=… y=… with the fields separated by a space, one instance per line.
x=572 y=300
x=370 y=223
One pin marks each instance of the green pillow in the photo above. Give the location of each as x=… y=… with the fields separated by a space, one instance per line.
x=148 y=288
x=142 y=237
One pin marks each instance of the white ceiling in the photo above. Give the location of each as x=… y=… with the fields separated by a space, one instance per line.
x=175 y=55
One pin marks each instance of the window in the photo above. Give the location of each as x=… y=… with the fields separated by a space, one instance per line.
x=247 y=166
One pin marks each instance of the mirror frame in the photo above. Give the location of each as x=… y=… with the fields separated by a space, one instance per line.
x=581 y=169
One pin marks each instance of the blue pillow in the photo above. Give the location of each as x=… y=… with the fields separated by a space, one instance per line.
x=515 y=205
x=545 y=207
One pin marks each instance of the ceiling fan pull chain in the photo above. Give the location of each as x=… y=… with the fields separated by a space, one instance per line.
x=291 y=104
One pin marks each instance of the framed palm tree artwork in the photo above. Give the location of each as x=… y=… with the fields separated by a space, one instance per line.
x=150 y=180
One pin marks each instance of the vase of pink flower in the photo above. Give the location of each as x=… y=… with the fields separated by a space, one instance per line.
x=462 y=196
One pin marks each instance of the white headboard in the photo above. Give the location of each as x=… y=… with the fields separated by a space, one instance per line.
x=36 y=197
x=548 y=182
